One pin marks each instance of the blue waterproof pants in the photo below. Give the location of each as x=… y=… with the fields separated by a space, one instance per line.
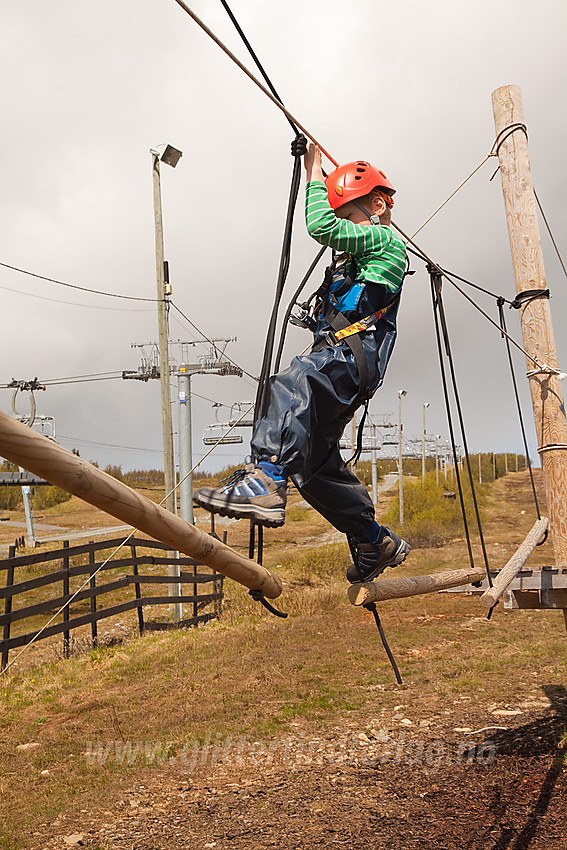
x=309 y=406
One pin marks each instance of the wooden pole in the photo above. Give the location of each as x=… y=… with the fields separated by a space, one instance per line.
x=509 y=572
x=66 y=592
x=163 y=345
x=92 y=584
x=8 y=607
x=397 y=588
x=164 y=372
x=535 y=315
x=45 y=458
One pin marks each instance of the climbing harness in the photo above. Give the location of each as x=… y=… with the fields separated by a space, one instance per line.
x=366 y=324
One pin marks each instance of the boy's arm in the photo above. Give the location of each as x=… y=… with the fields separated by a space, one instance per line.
x=322 y=223
x=313 y=164
x=339 y=233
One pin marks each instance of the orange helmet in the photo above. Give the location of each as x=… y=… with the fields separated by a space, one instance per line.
x=354 y=180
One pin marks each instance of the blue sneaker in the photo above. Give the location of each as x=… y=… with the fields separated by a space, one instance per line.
x=249 y=493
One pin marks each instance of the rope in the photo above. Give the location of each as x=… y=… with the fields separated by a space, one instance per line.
x=257 y=61
x=528 y=295
x=550 y=233
x=505 y=134
x=79 y=379
x=438 y=308
x=112 y=554
x=494 y=151
x=519 y=408
x=285 y=257
x=371 y=606
x=291 y=305
x=423 y=256
x=254 y=79
x=480 y=288
x=452 y=195
x=450 y=421
x=258 y=596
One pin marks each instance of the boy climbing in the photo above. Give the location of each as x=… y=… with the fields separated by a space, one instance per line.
x=311 y=402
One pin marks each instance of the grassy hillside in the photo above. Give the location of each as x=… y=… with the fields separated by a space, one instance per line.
x=254 y=677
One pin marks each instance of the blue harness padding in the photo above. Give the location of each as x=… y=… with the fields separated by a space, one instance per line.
x=344 y=290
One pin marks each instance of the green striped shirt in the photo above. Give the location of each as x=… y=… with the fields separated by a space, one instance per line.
x=380 y=253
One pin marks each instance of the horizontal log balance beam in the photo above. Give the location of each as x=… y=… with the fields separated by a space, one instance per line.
x=509 y=572
x=42 y=456
x=398 y=588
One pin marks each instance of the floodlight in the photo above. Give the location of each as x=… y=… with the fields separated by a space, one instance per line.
x=171 y=155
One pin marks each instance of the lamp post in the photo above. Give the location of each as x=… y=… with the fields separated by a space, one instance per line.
x=401 y=393
x=171 y=156
x=373 y=465
x=185 y=444
x=425 y=405
x=437 y=438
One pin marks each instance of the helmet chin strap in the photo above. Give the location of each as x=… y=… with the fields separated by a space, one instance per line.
x=373 y=219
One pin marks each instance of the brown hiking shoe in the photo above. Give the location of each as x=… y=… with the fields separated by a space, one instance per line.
x=247 y=494
x=371 y=559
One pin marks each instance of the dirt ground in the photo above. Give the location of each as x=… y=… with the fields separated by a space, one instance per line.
x=260 y=733
x=494 y=790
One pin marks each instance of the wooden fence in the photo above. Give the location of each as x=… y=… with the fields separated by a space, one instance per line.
x=80 y=562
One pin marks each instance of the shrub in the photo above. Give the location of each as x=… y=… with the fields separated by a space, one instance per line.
x=144 y=478
x=41 y=497
x=48 y=497
x=10 y=497
x=430 y=518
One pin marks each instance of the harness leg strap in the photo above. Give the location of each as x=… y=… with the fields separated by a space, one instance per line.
x=339 y=322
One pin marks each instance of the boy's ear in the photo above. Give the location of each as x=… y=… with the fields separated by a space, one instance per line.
x=379 y=204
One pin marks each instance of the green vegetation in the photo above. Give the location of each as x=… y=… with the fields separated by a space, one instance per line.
x=41 y=497
x=256 y=676
x=432 y=513
x=492 y=466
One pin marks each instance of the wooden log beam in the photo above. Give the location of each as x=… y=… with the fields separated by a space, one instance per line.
x=509 y=572
x=535 y=314
x=43 y=457
x=398 y=588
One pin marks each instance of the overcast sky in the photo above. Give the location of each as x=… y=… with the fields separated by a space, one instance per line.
x=89 y=88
